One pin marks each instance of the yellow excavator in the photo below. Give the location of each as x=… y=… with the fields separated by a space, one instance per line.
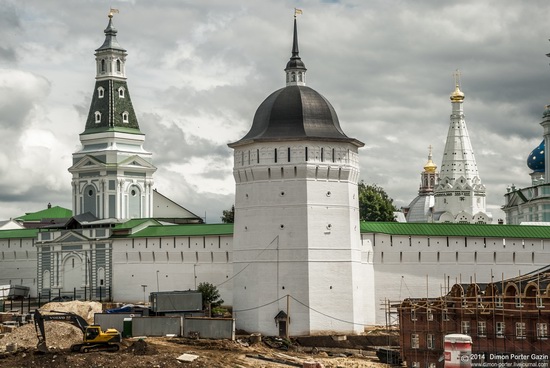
x=94 y=338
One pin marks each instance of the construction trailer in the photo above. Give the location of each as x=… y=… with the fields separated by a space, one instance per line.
x=170 y=302
x=13 y=292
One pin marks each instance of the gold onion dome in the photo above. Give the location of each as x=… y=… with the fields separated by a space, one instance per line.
x=457 y=95
x=430 y=166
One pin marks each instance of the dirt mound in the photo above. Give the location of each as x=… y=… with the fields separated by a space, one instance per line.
x=140 y=347
x=86 y=310
x=59 y=335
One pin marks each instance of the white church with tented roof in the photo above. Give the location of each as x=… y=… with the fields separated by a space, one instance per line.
x=297 y=259
x=454 y=194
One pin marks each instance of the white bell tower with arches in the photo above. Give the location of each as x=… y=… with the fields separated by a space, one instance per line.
x=112 y=172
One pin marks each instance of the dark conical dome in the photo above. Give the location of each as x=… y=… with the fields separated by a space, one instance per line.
x=535 y=160
x=295 y=113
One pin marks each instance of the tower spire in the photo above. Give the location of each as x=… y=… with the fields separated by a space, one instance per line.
x=295 y=68
x=120 y=183
x=460 y=195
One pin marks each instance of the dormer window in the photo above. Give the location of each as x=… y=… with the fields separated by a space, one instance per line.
x=97 y=117
x=100 y=92
x=125 y=117
x=121 y=92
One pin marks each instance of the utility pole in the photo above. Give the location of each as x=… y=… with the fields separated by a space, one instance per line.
x=195 y=275
x=288 y=317
x=158 y=281
x=144 y=287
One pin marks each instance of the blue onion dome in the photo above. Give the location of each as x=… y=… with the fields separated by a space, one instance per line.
x=535 y=160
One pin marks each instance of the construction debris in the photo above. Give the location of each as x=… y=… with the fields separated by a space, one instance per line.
x=60 y=336
x=86 y=310
x=187 y=357
x=274 y=360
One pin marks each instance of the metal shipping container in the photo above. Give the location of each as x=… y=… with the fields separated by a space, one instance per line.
x=175 y=301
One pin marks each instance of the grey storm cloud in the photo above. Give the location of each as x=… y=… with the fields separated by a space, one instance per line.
x=197 y=72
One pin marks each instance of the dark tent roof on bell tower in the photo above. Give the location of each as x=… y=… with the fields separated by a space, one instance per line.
x=295 y=112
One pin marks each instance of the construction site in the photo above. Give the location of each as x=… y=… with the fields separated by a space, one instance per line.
x=81 y=334
x=506 y=321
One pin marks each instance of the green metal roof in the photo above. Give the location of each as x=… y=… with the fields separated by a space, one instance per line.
x=130 y=224
x=49 y=213
x=448 y=229
x=184 y=230
x=18 y=233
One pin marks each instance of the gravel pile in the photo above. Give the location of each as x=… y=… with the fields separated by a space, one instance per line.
x=59 y=335
x=86 y=310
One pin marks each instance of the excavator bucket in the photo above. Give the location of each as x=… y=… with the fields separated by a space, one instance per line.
x=41 y=346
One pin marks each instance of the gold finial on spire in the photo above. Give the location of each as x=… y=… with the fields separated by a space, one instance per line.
x=112 y=11
x=456 y=74
x=297 y=11
x=457 y=95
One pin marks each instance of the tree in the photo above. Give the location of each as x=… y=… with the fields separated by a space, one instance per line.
x=228 y=216
x=210 y=295
x=375 y=204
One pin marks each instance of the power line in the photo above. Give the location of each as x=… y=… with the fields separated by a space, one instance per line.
x=260 y=306
x=326 y=315
x=249 y=263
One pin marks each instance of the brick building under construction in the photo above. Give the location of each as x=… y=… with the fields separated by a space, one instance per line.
x=506 y=319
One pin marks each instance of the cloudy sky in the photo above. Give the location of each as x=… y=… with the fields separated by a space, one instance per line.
x=197 y=71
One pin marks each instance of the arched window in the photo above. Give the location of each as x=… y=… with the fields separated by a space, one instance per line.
x=125 y=117
x=100 y=92
x=118 y=65
x=121 y=92
x=89 y=200
x=46 y=279
x=97 y=117
x=134 y=202
x=299 y=77
x=293 y=77
x=103 y=65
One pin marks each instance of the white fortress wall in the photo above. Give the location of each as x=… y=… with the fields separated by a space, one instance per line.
x=182 y=263
x=419 y=266
x=18 y=263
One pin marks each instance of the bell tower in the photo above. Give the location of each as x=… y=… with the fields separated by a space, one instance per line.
x=112 y=172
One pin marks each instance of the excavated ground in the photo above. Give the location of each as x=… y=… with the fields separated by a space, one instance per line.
x=18 y=350
x=163 y=353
